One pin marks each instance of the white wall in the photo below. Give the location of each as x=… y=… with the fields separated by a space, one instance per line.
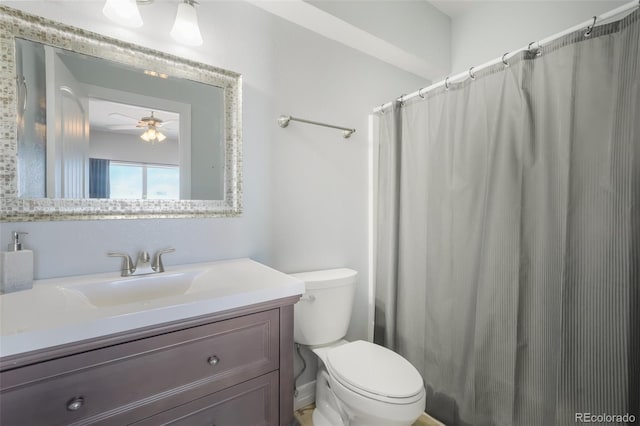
x=487 y=29
x=304 y=187
x=126 y=147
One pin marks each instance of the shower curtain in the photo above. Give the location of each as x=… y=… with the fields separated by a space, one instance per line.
x=508 y=262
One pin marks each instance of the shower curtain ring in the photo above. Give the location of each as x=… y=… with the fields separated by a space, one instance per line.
x=590 y=28
x=382 y=109
x=537 y=50
x=471 y=74
x=420 y=94
x=402 y=99
x=446 y=83
x=504 y=60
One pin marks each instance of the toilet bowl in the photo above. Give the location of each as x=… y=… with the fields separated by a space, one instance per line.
x=358 y=383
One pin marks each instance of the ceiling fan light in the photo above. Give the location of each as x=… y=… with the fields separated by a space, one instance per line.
x=185 y=28
x=123 y=12
x=152 y=135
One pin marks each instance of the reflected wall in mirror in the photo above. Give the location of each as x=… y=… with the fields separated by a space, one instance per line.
x=106 y=129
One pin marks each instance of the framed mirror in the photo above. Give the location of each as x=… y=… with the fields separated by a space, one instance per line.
x=95 y=128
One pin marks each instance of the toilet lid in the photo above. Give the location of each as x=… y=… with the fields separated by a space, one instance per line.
x=374 y=369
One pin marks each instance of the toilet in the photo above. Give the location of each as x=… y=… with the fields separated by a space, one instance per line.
x=358 y=383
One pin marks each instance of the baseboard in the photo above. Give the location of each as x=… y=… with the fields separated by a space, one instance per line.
x=306 y=395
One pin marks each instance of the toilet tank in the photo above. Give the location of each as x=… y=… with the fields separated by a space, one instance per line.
x=322 y=315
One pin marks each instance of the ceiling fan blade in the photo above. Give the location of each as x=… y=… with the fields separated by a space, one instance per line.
x=121 y=127
x=122 y=117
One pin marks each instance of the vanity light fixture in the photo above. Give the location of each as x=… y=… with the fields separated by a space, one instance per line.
x=185 y=28
x=123 y=12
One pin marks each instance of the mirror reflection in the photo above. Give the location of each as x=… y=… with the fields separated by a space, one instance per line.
x=92 y=128
x=133 y=153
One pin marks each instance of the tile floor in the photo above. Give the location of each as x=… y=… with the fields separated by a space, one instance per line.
x=303 y=416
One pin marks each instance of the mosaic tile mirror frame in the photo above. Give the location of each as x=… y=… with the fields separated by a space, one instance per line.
x=17 y=24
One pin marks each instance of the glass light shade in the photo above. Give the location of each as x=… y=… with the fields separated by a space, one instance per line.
x=152 y=135
x=185 y=29
x=123 y=12
x=145 y=136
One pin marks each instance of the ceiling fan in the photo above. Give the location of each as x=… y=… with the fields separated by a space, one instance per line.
x=151 y=124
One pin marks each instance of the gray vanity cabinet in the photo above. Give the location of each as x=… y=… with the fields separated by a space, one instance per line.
x=248 y=403
x=232 y=368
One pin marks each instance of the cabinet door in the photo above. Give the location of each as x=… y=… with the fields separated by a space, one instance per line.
x=252 y=403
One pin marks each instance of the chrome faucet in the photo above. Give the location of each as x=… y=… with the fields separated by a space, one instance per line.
x=157 y=259
x=143 y=265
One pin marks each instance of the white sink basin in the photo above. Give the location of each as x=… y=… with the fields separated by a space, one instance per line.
x=65 y=310
x=136 y=289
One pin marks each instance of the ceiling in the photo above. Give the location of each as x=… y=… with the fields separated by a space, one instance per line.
x=340 y=28
x=104 y=115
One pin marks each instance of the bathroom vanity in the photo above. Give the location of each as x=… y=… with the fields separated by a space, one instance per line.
x=230 y=366
x=207 y=343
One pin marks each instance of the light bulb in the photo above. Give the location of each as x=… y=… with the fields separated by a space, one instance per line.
x=185 y=29
x=123 y=12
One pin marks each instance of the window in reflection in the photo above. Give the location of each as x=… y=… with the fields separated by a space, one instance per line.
x=163 y=183
x=143 y=181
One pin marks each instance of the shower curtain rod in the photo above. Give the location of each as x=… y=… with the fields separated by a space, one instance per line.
x=589 y=25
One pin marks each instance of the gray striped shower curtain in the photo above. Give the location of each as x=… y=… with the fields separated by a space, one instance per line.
x=508 y=254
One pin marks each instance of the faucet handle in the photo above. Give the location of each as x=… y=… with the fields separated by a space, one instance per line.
x=157 y=259
x=127 y=263
x=143 y=257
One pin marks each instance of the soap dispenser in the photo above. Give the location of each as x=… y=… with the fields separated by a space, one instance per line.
x=16 y=266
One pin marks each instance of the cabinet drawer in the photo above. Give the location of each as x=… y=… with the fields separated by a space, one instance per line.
x=146 y=375
x=251 y=403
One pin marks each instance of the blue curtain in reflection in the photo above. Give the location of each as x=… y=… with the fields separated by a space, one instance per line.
x=99 y=178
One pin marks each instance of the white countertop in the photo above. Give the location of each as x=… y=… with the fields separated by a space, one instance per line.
x=61 y=310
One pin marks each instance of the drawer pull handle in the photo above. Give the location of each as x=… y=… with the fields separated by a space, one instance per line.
x=213 y=360
x=75 y=403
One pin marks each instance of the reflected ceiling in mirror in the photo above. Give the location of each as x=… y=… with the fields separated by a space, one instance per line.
x=86 y=113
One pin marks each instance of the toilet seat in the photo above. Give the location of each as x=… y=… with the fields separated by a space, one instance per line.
x=375 y=372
